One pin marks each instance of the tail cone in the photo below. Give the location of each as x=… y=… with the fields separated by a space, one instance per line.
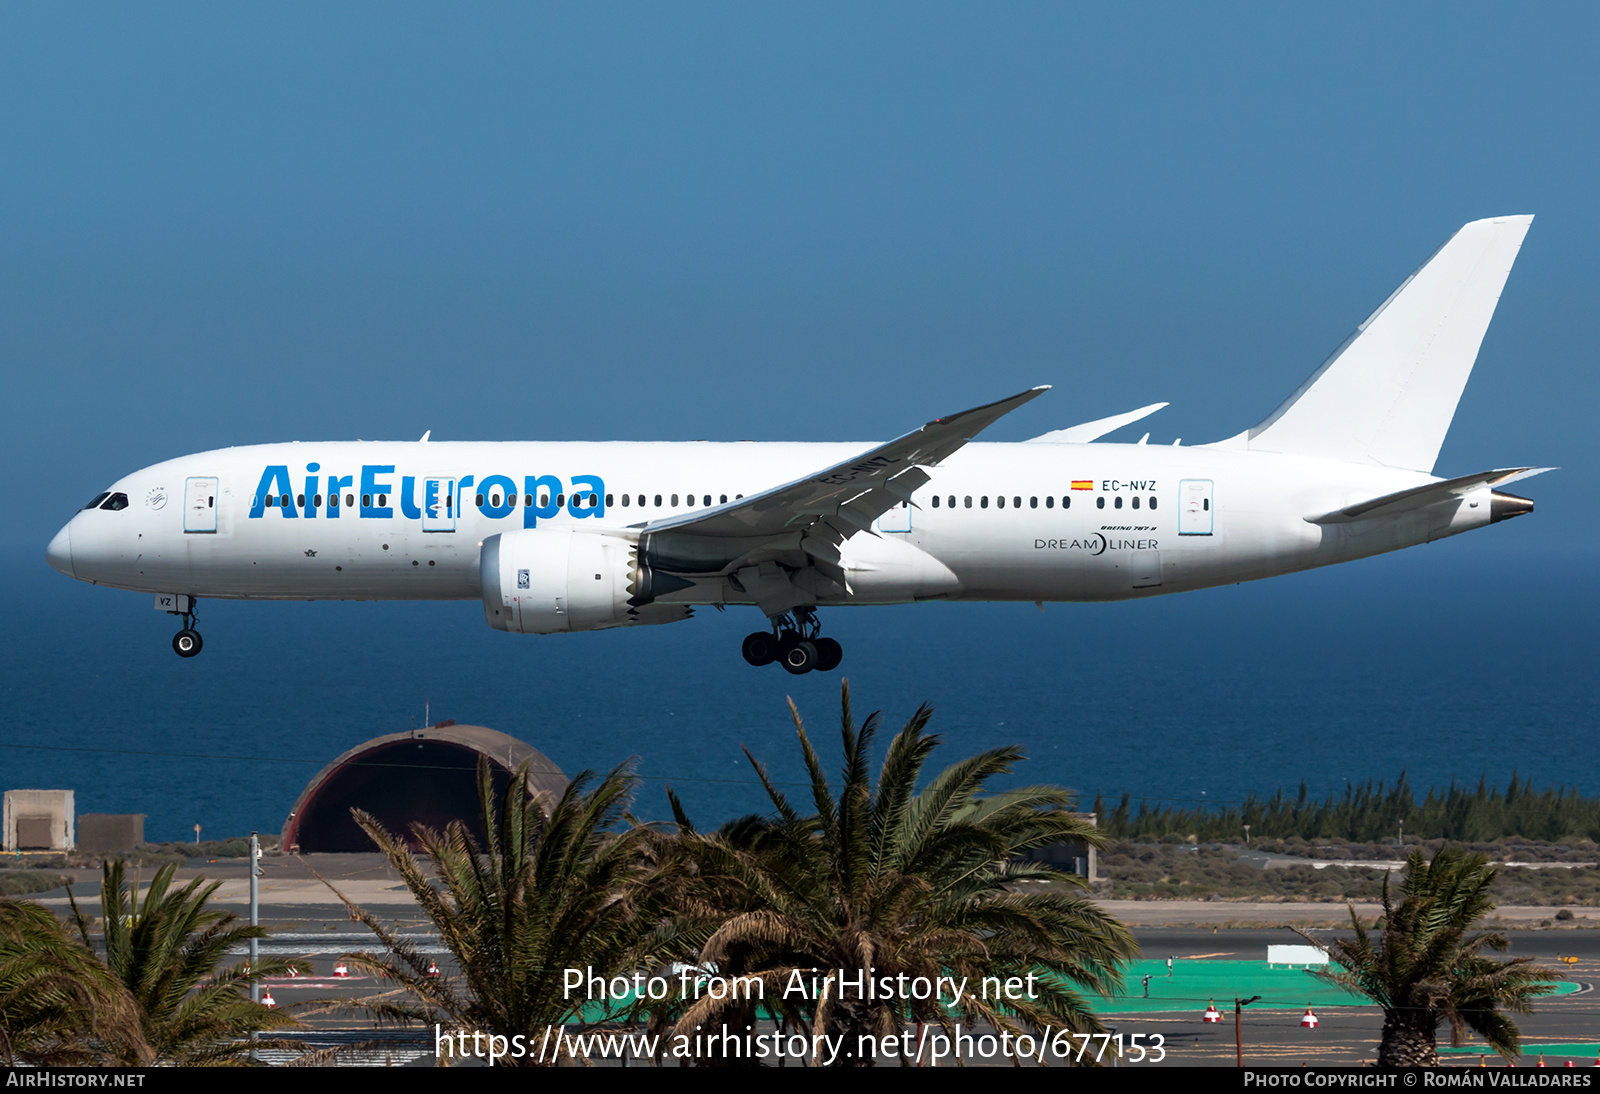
x=1505 y=506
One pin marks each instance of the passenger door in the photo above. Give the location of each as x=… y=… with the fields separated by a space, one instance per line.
x=439 y=504
x=1195 y=517
x=200 y=505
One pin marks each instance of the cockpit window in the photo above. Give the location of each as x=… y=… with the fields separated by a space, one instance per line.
x=115 y=502
x=94 y=503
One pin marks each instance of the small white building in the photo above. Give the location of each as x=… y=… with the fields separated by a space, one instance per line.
x=39 y=820
x=1299 y=957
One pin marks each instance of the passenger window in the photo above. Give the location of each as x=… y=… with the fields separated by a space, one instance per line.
x=736 y=497
x=272 y=500
x=480 y=499
x=594 y=501
x=658 y=501
x=983 y=502
x=383 y=499
x=624 y=501
x=608 y=501
x=1016 y=503
x=1050 y=503
x=561 y=499
x=285 y=501
x=1066 y=501
x=1152 y=503
x=1118 y=503
x=349 y=499
x=1000 y=502
x=969 y=501
x=724 y=500
x=316 y=500
x=300 y=500
x=1100 y=502
x=494 y=500
x=97 y=499
x=1136 y=501
x=708 y=499
x=1033 y=503
x=936 y=501
x=674 y=499
x=953 y=501
x=527 y=501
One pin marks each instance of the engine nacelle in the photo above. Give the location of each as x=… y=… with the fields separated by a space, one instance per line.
x=544 y=581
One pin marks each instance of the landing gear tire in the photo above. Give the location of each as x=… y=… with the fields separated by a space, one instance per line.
x=761 y=648
x=800 y=656
x=829 y=654
x=186 y=643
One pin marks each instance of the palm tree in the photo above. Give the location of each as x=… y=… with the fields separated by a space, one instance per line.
x=546 y=894
x=59 y=1005
x=167 y=950
x=1427 y=967
x=895 y=881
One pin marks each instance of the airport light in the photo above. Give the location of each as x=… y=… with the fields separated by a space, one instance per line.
x=1238 y=1026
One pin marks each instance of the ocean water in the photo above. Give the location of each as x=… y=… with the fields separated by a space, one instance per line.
x=1448 y=661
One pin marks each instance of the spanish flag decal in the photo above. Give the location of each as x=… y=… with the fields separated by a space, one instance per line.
x=1083 y=484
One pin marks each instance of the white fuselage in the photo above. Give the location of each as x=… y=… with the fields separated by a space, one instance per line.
x=1029 y=521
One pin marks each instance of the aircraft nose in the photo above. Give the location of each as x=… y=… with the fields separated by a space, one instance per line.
x=59 y=553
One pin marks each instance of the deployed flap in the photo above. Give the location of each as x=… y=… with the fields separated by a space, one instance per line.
x=1089 y=431
x=1386 y=396
x=854 y=492
x=1420 y=497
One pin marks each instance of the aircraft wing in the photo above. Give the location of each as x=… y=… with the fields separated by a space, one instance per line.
x=1090 y=431
x=802 y=523
x=1420 y=497
x=849 y=495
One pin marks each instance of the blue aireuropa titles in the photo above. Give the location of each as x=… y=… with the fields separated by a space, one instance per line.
x=496 y=497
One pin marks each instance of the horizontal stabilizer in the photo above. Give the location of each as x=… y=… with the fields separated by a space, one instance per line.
x=1089 y=431
x=1420 y=497
x=1387 y=395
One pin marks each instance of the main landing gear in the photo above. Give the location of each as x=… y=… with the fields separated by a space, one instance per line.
x=187 y=643
x=795 y=643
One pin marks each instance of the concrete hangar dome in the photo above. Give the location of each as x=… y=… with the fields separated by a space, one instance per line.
x=426 y=776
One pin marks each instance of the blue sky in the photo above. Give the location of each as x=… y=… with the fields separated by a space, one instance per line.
x=225 y=224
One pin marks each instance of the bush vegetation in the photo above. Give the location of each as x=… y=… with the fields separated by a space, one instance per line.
x=1371 y=812
x=24 y=882
x=1169 y=870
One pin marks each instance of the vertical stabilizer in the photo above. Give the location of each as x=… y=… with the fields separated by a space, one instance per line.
x=1386 y=396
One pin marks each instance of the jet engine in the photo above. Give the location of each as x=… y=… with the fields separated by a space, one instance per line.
x=544 y=581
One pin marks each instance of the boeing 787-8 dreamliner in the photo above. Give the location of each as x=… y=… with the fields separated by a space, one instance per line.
x=581 y=536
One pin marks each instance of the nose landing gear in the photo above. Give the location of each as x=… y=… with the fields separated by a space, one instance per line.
x=795 y=643
x=187 y=642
